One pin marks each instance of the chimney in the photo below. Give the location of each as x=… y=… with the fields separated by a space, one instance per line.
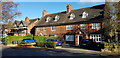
x=27 y=19
x=69 y=8
x=10 y=23
x=44 y=13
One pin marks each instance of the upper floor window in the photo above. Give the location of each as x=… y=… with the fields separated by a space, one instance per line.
x=44 y=28
x=69 y=27
x=72 y=16
x=21 y=25
x=84 y=15
x=95 y=25
x=15 y=25
x=57 y=18
x=96 y=37
x=82 y=26
x=48 y=19
x=53 y=28
x=38 y=29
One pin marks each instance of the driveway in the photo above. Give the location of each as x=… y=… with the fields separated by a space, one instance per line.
x=15 y=51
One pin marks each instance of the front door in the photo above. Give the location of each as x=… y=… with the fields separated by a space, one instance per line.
x=79 y=39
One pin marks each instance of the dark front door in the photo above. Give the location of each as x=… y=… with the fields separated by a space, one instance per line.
x=80 y=39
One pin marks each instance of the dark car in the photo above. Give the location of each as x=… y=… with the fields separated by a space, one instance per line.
x=28 y=40
x=54 y=40
x=85 y=43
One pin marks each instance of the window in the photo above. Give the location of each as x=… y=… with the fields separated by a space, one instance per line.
x=96 y=37
x=48 y=19
x=15 y=25
x=84 y=15
x=82 y=26
x=44 y=28
x=69 y=27
x=53 y=28
x=69 y=37
x=57 y=18
x=38 y=29
x=72 y=16
x=21 y=25
x=95 y=25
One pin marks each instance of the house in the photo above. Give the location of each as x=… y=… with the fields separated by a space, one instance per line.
x=23 y=27
x=73 y=25
x=5 y=29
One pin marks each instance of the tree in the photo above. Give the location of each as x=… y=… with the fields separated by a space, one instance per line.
x=9 y=11
x=111 y=20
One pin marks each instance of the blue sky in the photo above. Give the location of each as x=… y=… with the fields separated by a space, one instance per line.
x=34 y=9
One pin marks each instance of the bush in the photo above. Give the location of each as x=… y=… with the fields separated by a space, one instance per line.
x=46 y=44
x=43 y=38
x=28 y=37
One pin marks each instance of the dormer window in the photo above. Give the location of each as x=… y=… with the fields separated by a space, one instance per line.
x=57 y=18
x=15 y=25
x=48 y=19
x=72 y=16
x=84 y=15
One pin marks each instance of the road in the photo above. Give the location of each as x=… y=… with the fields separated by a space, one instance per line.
x=15 y=51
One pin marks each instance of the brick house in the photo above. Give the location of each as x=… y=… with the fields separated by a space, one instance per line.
x=23 y=27
x=73 y=25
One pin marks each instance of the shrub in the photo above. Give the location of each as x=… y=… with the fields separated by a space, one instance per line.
x=28 y=37
x=50 y=44
x=46 y=44
x=40 y=44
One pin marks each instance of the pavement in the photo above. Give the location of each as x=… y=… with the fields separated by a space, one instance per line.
x=16 y=51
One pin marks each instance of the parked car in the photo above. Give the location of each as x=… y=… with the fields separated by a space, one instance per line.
x=54 y=40
x=15 y=42
x=28 y=40
x=85 y=43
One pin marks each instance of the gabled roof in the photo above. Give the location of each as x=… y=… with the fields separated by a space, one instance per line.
x=16 y=22
x=27 y=23
x=95 y=15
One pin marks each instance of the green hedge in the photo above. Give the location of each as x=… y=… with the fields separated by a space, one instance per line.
x=43 y=38
x=38 y=39
x=46 y=44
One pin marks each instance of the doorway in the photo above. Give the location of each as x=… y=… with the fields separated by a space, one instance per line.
x=79 y=39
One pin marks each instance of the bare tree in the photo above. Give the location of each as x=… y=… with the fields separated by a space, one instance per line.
x=9 y=11
x=111 y=20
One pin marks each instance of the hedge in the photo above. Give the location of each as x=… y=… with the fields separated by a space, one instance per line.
x=46 y=44
x=10 y=39
x=43 y=38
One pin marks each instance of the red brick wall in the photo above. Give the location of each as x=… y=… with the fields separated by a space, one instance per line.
x=62 y=29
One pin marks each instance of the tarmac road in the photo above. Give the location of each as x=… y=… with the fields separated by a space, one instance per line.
x=15 y=51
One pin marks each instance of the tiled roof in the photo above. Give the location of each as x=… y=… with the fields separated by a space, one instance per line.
x=27 y=23
x=95 y=14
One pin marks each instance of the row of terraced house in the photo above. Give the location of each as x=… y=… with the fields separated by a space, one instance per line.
x=72 y=25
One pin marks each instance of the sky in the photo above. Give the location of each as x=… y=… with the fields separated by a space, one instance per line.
x=34 y=9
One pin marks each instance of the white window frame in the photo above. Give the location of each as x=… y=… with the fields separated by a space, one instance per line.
x=82 y=25
x=71 y=37
x=21 y=25
x=38 y=29
x=69 y=26
x=85 y=14
x=53 y=27
x=72 y=16
x=15 y=25
x=44 y=28
x=96 y=37
x=95 y=25
x=48 y=19
x=57 y=18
